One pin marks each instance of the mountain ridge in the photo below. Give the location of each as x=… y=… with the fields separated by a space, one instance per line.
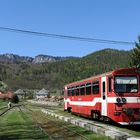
x=56 y=74
x=41 y=58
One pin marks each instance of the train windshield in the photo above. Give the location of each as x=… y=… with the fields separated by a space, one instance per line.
x=126 y=84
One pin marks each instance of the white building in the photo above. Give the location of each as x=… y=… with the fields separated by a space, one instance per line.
x=42 y=93
x=20 y=93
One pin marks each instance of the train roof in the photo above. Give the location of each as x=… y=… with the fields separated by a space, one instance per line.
x=114 y=72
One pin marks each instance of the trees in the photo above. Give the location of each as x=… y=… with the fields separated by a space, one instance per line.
x=135 y=56
x=3 y=87
x=54 y=75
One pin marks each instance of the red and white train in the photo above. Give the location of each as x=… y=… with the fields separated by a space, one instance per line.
x=110 y=96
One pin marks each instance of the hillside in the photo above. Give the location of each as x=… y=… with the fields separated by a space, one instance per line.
x=54 y=75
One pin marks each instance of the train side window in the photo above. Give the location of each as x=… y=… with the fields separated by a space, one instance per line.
x=82 y=90
x=68 y=91
x=88 y=88
x=77 y=91
x=110 y=84
x=95 y=87
x=104 y=89
x=72 y=91
x=139 y=81
x=103 y=85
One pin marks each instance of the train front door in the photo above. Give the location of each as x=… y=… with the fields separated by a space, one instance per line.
x=65 y=98
x=104 y=96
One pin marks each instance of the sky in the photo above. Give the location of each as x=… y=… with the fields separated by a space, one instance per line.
x=103 y=19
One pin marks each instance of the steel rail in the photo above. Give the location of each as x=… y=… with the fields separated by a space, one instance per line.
x=56 y=123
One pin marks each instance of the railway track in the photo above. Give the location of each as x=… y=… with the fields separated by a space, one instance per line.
x=128 y=131
x=4 y=110
x=111 y=123
x=54 y=128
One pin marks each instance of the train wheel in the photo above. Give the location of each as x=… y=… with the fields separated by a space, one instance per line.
x=69 y=110
x=105 y=119
x=95 y=115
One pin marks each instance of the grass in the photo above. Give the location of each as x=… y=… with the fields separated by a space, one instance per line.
x=17 y=125
x=3 y=103
x=82 y=131
x=134 y=130
x=88 y=134
x=51 y=128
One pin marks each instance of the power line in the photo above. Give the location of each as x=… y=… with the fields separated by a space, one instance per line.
x=67 y=36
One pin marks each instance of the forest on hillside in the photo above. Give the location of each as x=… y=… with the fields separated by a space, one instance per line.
x=54 y=75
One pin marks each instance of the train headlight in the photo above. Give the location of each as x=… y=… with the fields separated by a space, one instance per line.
x=124 y=100
x=118 y=100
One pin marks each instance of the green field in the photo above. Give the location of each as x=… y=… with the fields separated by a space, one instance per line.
x=17 y=125
x=43 y=118
x=3 y=103
x=22 y=125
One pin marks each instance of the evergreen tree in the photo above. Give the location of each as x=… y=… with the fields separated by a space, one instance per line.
x=3 y=87
x=135 y=56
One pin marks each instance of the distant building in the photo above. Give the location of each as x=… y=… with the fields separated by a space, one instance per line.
x=20 y=93
x=42 y=93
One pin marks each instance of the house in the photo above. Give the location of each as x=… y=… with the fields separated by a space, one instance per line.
x=20 y=93
x=42 y=93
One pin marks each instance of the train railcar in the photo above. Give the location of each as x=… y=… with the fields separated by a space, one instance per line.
x=110 y=96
